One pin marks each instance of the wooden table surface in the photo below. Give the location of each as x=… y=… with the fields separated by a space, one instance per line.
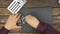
x=33 y=4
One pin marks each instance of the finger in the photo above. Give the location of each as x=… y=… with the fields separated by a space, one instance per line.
x=28 y=17
x=10 y=15
x=18 y=24
x=18 y=17
x=19 y=27
x=32 y=17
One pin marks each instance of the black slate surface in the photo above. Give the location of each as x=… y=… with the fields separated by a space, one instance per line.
x=43 y=14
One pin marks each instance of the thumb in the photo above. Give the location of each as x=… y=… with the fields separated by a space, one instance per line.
x=19 y=27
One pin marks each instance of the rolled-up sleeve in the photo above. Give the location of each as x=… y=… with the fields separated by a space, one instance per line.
x=46 y=29
x=3 y=30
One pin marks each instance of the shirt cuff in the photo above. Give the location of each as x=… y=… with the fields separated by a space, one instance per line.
x=4 y=30
x=41 y=27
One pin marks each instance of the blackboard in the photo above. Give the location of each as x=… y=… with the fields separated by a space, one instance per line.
x=43 y=14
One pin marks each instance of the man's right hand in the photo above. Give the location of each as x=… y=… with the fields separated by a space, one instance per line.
x=32 y=21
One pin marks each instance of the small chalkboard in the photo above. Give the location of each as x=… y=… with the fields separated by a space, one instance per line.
x=43 y=14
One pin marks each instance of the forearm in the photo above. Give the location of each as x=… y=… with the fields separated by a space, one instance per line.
x=46 y=29
x=4 y=31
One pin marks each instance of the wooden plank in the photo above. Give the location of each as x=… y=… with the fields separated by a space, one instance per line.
x=24 y=33
x=4 y=11
x=4 y=3
x=1 y=25
x=55 y=11
x=56 y=19
x=33 y=3
x=57 y=27
x=43 y=3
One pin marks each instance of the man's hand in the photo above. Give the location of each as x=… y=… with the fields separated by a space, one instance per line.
x=11 y=22
x=32 y=21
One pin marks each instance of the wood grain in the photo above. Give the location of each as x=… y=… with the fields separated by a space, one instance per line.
x=4 y=11
x=56 y=11
x=33 y=3
x=56 y=19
